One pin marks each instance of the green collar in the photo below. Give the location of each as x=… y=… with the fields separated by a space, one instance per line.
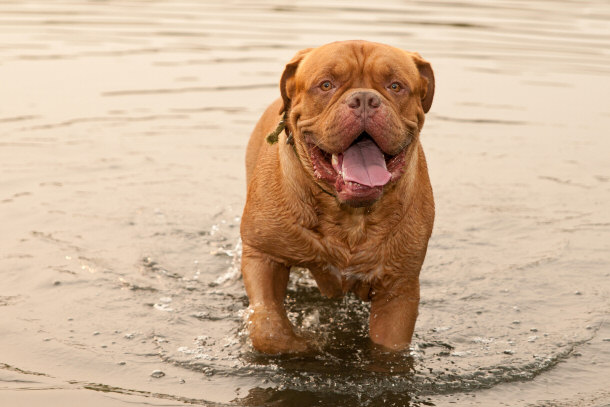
x=273 y=137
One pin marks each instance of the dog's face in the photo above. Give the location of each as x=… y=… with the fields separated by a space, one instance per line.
x=354 y=108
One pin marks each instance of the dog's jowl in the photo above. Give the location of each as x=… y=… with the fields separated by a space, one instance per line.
x=338 y=184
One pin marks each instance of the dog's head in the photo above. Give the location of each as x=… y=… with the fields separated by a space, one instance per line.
x=353 y=108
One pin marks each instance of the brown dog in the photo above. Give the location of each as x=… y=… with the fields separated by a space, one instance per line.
x=345 y=192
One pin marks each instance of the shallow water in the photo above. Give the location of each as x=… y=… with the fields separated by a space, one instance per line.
x=123 y=128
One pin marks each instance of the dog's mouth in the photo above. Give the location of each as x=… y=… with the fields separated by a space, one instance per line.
x=359 y=173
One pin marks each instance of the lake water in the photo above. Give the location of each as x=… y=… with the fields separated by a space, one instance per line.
x=123 y=127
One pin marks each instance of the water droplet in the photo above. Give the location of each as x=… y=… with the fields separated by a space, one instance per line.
x=163 y=307
x=157 y=374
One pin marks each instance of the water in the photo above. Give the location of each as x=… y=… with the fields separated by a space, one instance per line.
x=123 y=128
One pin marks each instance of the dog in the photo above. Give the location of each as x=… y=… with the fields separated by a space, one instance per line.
x=337 y=183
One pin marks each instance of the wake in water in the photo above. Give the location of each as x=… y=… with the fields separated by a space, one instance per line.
x=346 y=367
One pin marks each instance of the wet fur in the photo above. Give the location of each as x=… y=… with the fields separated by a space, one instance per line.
x=289 y=220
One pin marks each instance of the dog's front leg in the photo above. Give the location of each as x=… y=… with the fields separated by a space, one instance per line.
x=268 y=326
x=393 y=315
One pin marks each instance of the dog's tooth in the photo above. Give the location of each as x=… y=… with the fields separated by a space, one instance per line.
x=335 y=163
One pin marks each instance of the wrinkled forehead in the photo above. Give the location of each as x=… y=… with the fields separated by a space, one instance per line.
x=346 y=61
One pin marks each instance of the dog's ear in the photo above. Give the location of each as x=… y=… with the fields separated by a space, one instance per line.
x=287 y=81
x=427 y=77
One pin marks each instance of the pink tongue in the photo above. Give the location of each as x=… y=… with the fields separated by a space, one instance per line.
x=363 y=163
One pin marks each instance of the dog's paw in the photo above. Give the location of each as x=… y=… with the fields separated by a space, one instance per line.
x=272 y=333
x=274 y=344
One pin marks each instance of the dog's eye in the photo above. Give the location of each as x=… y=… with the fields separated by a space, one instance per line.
x=395 y=87
x=326 y=85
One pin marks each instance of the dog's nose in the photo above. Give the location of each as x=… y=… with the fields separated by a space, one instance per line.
x=362 y=101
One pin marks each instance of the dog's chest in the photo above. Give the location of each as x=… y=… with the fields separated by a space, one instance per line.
x=360 y=258
x=353 y=245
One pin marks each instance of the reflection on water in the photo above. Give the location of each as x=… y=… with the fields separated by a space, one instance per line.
x=123 y=128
